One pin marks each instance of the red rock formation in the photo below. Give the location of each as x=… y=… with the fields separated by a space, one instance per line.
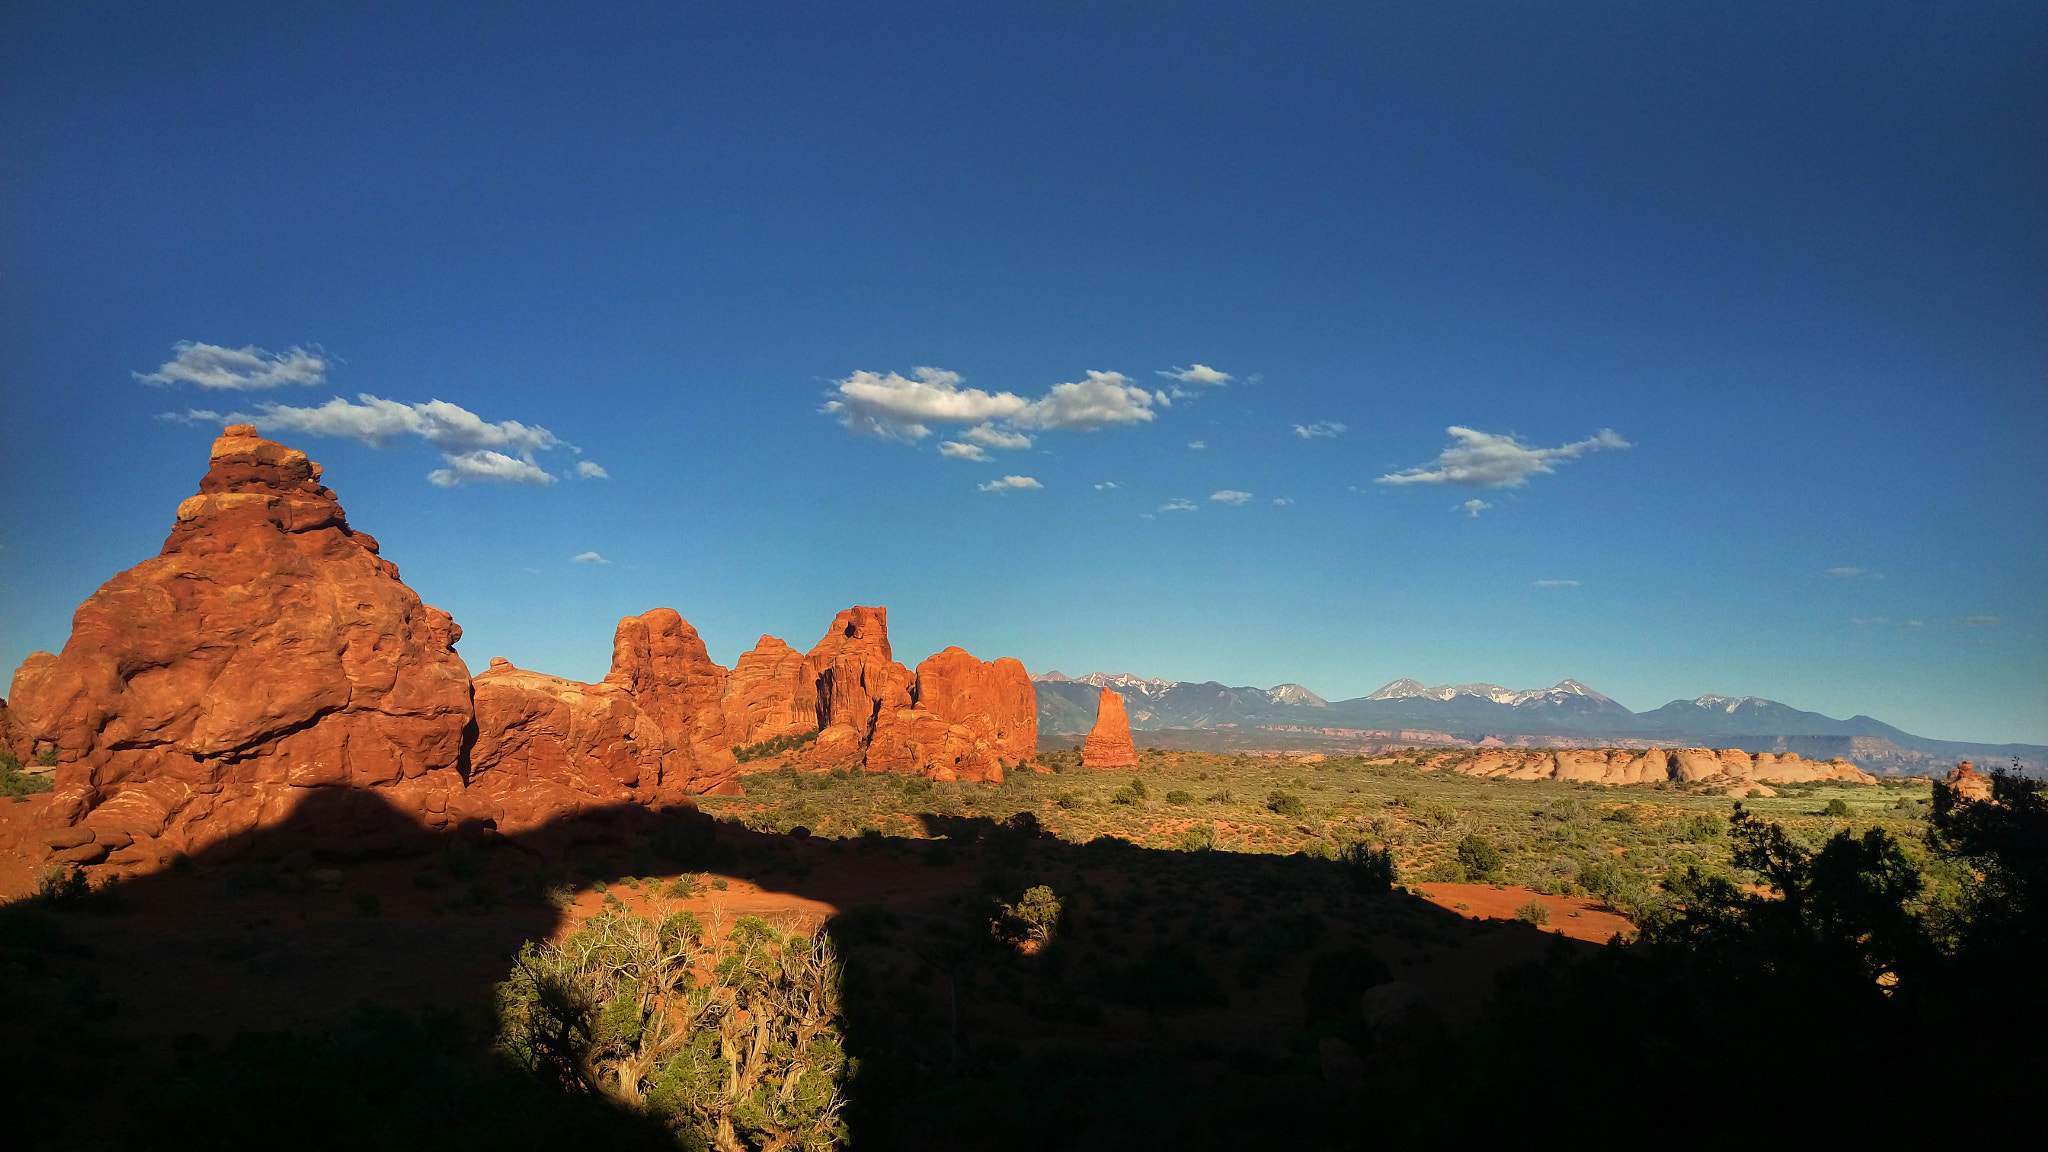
x=660 y=663
x=267 y=650
x=546 y=745
x=1647 y=766
x=994 y=699
x=1969 y=784
x=766 y=695
x=1109 y=742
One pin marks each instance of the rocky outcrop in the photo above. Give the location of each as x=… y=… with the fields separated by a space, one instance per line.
x=1969 y=784
x=767 y=695
x=1109 y=742
x=994 y=699
x=1651 y=765
x=267 y=649
x=652 y=732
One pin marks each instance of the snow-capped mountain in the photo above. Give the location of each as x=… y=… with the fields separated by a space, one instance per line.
x=1121 y=681
x=1559 y=693
x=1295 y=694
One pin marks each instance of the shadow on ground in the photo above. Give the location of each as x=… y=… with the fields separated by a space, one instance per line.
x=334 y=989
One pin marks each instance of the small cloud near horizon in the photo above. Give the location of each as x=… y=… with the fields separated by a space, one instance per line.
x=1009 y=484
x=1283 y=500
x=588 y=558
x=953 y=449
x=243 y=369
x=1492 y=460
x=1199 y=375
x=1471 y=507
x=1230 y=496
x=1106 y=485
x=1198 y=445
x=897 y=407
x=592 y=470
x=1179 y=504
x=1324 y=429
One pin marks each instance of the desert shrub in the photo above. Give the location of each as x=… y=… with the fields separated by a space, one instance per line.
x=1067 y=800
x=773 y=747
x=1318 y=849
x=1444 y=872
x=1035 y=916
x=1178 y=796
x=1836 y=807
x=1534 y=912
x=1134 y=792
x=1439 y=816
x=1481 y=859
x=15 y=782
x=916 y=785
x=1615 y=883
x=1368 y=868
x=1287 y=804
x=1200 y=838
x=1701 y=828
x=749 y=1058
x=1222 y=797
x=46 y=756
x=1624 y=816
x=683 y=887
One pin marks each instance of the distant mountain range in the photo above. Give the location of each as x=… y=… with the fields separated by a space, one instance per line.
x=1568 y=714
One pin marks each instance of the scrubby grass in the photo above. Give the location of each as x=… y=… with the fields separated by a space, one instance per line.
x=1616 y=842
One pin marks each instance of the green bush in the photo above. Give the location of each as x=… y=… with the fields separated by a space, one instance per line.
x=1481 y=859
x=1369 y=869
x=1534 y=912
x=1836 y=807
x=47 y=756
x=1067 y=800
x=1287 y=804
x=1200 y=838
x=1035 y=916
x=1444 y=872
x=1701 y=828
x=773 y=747
x=749 y=1057
x=1180 y=797
x=15 y=782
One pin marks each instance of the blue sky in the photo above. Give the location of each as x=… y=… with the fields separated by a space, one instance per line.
x=1739 y=308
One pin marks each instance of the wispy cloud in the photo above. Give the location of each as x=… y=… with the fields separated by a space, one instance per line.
x=1198 y=445
x=1846 y=573
x=905 y=407
x=1557 y=583
x=473 y=448
x=1321 y=429
x=1283 y=500
x=592 y=470
x=244 y=369
x=1979 y=621
x=588 y=558
x=1884 y=622
x=1180 y=504
x=1488 y=460
x=1230 y=496
x=1199 y=375
x=1472 y=507
x=1106 y=485
x=1009 y=484
x=958 y=451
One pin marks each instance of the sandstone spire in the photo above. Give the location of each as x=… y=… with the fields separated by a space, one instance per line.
x=1109 y=742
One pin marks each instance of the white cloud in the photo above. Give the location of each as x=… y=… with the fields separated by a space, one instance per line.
x=959 y=451
x=1283 y=500
x=1846 y=573
x=1100 y=401
x=1106 y=485
x=1488 y=460
x=989 y=436
x=484 y=464
x=1327 y=429
x=1179 y=504
x=588 y=558
x=1198 y=445
x=1230 y=496
x=470 y=445
x=238 y=369
x=898 y=407
x=592 y=470
x=1472 y=507
x=1199 y=375
x=1009 y=483
x=1557 y=584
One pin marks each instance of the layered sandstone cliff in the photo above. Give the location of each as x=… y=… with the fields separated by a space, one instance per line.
x=1652 y=765
x=266 y=650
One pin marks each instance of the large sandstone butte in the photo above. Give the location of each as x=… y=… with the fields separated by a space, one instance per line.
x=652 y=732
x=1109 y=742
x=955 y=718
x=266 y=650
x=1968 y=783
x=1736 y=768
